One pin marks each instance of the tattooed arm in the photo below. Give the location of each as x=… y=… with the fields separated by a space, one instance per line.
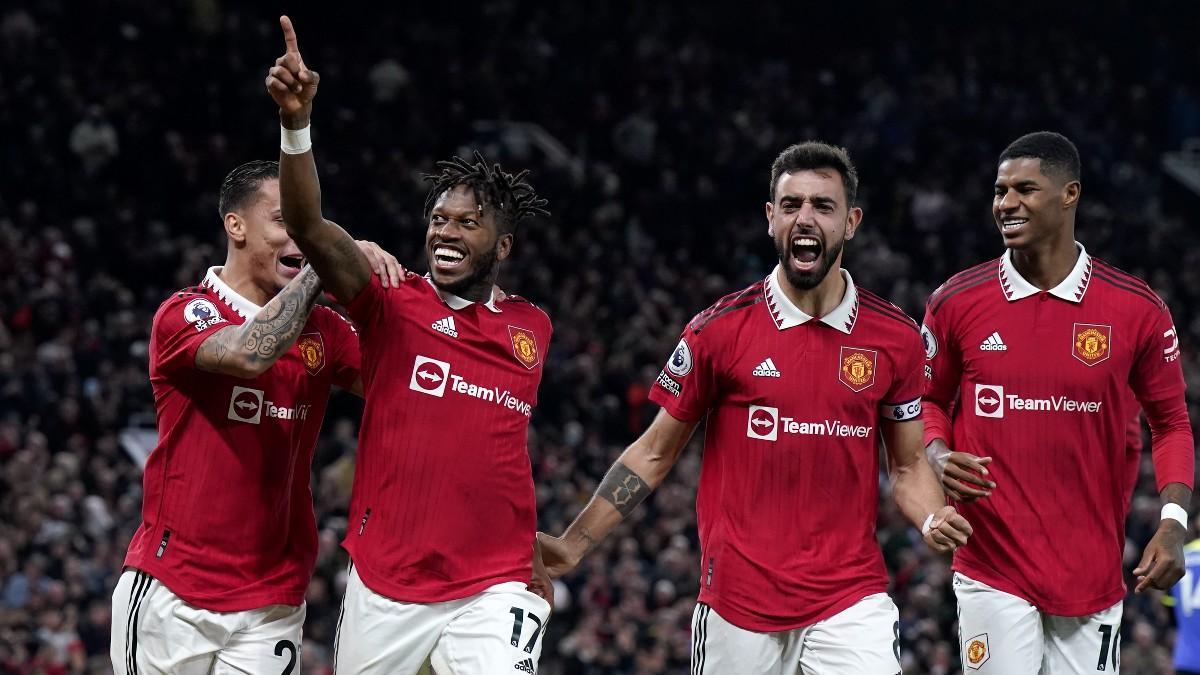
x=640 y=469
x=249 y=349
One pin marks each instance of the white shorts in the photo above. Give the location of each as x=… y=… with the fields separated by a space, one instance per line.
x=1001 y=633
x=495 y=631
x=862 y=639
x=154 y=631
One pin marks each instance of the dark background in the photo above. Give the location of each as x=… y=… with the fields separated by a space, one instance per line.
x=650 y=127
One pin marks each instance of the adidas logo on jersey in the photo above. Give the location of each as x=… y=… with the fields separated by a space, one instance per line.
x=445 y=325
x=525 y=666
x=993 y=343
x=766 y=369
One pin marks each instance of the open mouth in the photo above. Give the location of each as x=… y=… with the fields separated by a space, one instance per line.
x=447 y=259
x=294 y=262
x=806 y=250
x=1012 y=225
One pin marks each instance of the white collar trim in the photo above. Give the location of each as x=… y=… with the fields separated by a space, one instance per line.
x=787 y=315
x=231 y=297
x=1071 y=289
x=456 y=303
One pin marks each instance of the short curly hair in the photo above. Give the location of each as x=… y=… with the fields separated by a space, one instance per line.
x=1060 y=157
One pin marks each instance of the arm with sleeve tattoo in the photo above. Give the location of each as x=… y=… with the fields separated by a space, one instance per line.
x=250 y=349
x=640 y=469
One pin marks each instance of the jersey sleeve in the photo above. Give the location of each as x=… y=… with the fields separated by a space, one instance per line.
x=1157 y=382
x=943 y=373
x=181 y=325
x=902 y=403
x=687 y=385
x=367 y=308
x=346 y=359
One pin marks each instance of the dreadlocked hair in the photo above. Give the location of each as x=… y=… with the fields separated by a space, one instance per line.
x=513 y=198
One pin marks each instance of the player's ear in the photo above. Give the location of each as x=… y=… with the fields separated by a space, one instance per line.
x=504 y=245
x=235 y=228
x=770 y=223
x=853 y=218
x=1072 y=191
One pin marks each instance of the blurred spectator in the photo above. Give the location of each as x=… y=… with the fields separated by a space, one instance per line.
x=120 y=119
x=94 y=140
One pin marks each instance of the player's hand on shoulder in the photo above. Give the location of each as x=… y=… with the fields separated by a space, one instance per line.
x=556 y=555
x=1162 y=564
x=965 y=477
x=291 y=83
x=948 y=530
x=384 y=264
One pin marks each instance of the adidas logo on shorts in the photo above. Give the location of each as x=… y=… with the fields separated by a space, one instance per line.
x=993 y=343
x=766 y=369
x=525 y=666
x=445 y=325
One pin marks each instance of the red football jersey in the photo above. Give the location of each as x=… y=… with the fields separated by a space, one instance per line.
x=227 y=515
x=789 y=482
x=1042 y=381
x=443 y=502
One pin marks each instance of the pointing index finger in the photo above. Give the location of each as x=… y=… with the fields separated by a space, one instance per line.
x=289 y=35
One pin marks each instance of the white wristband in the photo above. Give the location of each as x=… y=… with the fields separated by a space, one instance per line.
x=1175 y=512
x=295 y=141
x=925 y=526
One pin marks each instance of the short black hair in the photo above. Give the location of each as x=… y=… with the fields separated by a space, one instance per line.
x=242 y=184
x=513 y=198
x=812 y=155
x=1059 y=156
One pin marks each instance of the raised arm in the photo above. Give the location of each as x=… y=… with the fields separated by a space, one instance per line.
x=342 y=267
x=638 y=471
x=250 y=349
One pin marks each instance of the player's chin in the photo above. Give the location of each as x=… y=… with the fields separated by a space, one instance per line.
x=444 y=278
x=805 y=274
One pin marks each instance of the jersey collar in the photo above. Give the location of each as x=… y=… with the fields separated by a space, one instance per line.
x=231 y=297
x=1071 y=289
x=788 y=315
x=456 y=303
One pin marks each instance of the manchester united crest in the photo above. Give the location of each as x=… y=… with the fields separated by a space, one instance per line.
x=524 y=347
x=976 y=651
x=856 y=367
x=1092 y=343
x=312 y=352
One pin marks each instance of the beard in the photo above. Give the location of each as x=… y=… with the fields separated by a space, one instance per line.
x=478 y=283
x=806 y=281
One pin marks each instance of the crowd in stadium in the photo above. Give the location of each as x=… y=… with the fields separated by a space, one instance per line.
x=650 y=128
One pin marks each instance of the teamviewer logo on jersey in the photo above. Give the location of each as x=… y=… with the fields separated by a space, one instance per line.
x=245 y=405
x=429 y=376
x=763 y=423
x=989 y=400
